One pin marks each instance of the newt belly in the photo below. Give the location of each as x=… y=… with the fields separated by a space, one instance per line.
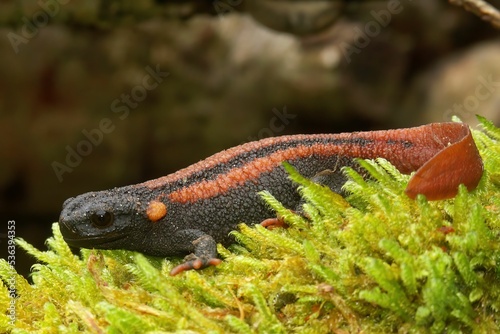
x=190 y=211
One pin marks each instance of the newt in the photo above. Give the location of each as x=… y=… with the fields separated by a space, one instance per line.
x=193 y=209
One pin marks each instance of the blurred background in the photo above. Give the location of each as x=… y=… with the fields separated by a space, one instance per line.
x=99 y=94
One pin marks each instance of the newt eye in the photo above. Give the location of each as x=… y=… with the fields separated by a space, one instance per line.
x=102 y=219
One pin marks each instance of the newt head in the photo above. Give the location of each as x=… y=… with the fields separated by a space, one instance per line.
x=105 y=219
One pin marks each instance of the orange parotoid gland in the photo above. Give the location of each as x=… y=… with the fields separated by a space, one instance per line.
x=156 y=210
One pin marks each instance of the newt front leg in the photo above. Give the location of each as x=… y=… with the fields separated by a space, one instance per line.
x=203 y=250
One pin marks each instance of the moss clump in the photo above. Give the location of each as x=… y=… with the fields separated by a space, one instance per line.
x=375 y=261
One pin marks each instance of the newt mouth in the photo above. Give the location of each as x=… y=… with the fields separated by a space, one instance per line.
x=74 y=239
x=102 y=242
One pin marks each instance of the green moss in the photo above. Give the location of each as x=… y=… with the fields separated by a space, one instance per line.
x=375 y=261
